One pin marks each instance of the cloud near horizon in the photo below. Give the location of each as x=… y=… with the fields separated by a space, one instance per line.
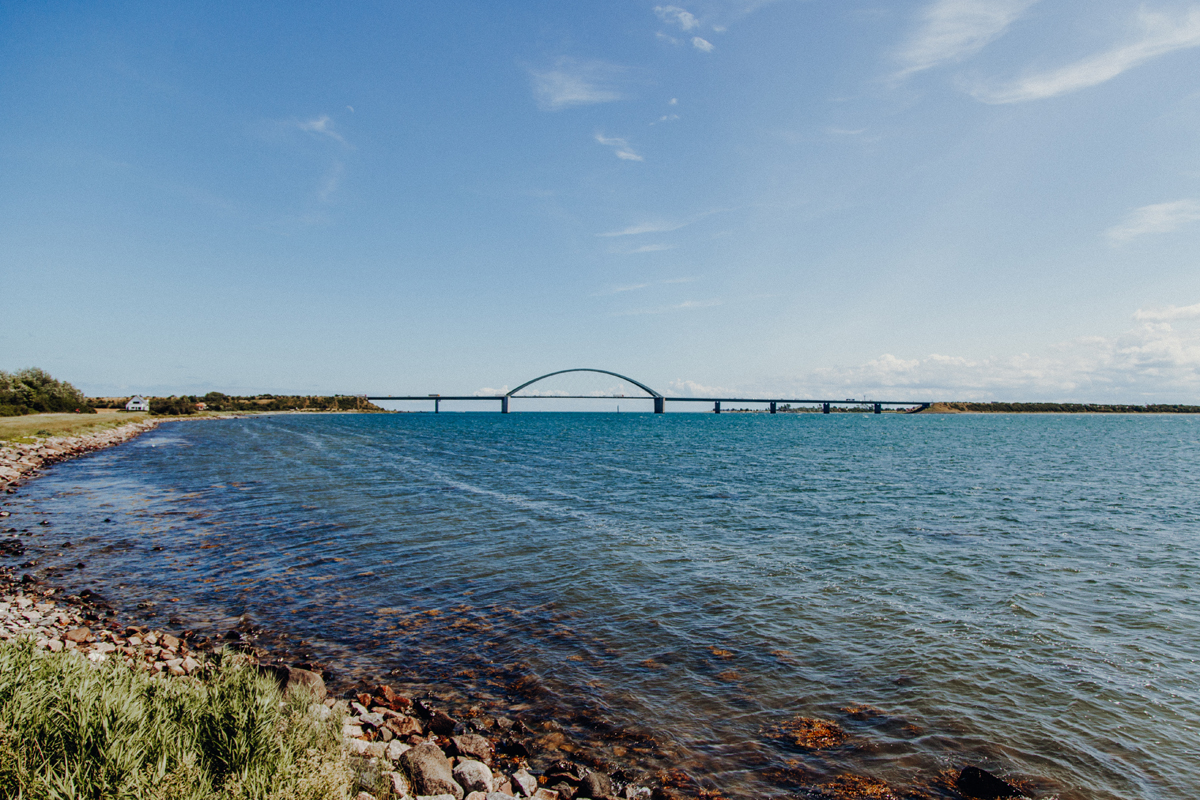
x=1152 y=362
x=953 y=30
x=1155 y=218
x=1159 y=35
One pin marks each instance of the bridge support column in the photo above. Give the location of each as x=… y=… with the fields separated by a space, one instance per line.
x=772 y=407
x=825 y=408
x=878 y=408
x=437 y=405
x=504 y=404
x=717 y=407
x=660 y=405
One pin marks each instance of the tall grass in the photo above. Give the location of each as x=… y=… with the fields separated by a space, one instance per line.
x=71 y=730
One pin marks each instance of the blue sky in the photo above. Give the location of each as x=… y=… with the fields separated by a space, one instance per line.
x=968 y=199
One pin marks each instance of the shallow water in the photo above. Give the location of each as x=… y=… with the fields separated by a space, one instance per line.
x=1011 y=591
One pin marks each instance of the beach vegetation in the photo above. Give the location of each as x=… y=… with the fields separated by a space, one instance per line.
x=218 y=402
x=33 y=391
x=71 y=728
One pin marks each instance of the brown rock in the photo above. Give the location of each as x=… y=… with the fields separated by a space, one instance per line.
x=402 y=725
x=473 y=746
x=442 y=723
x=78 y=635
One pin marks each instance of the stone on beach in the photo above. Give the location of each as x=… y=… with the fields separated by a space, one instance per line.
x=524 y=782
x=471 y=745
x=473 y=776
x=429 y=771
x=595 y=784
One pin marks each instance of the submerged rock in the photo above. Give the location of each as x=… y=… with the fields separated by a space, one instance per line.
x=982 y=785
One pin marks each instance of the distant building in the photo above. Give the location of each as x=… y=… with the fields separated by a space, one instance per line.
x=137 y=404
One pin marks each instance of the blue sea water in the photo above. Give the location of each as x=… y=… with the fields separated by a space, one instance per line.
x=1012 y=591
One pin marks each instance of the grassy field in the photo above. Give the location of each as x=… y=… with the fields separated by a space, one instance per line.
x=27 y=428
x=71 y=729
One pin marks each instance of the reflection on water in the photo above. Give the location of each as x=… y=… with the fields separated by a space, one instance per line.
x=1011 y=591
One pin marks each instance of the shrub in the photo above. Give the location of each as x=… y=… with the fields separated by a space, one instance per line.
x=33 y=390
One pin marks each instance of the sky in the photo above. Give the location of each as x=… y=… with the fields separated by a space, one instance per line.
x=904 y=199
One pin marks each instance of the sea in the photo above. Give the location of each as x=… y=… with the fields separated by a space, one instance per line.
x=684 y=591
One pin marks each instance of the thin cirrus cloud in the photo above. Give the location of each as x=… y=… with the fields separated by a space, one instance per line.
x=1156 y=218
x=321 y=126
x=702 y=44
x=1159 y=34
x=634 y=287
x=952 y=30
x=620 y=147
x=646 y=227
x=575 y=83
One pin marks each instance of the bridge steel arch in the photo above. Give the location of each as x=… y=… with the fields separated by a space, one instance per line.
x=659 y=400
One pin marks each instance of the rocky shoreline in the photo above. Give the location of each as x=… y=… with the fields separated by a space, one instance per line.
x=20 y=461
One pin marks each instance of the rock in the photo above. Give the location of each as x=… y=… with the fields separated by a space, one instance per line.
x=371 y=719
x=498 y=796
x=637 y=793
x=403 y=726
x=364 y=796
x=190 y=665
x=168 y=641
x=395 y=749
x=351 y=731
x=429 y=771
x=376 y=749
x=356 y=746
x=596 y=784
x=471 y=745
x=565 y=790
x=473 y=776
x=545 y=794
x=398 y=783
x=442 y=723
x=54 y=645
x=983 y=785
x=524 y=782
x=476 y=796
x=77 y=635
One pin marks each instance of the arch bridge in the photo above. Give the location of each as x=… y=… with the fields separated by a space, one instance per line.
x=660 y=401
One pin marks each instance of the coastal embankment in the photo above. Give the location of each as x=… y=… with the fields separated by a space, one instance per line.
x=19 y=460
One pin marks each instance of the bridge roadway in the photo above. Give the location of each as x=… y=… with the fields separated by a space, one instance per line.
x=660 y=401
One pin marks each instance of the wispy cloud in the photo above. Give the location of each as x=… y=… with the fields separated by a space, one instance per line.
x=1158 y=35
x=647 y=227
x=321 y=126
x=686 y=305
x=651 y=248
x=952 y=30
x=620 y=147
x=1168 y=313
x=1157 y=218
x=634 y=287
x=575 y=83
x=674 y=15
x=331 y=181
x=702 y=44
x=487 y=391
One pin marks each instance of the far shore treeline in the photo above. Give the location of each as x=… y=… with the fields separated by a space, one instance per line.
x=216 y=401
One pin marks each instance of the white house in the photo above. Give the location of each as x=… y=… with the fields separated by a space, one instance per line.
x=137 y=403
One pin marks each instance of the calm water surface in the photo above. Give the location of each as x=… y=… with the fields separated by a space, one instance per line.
x=1012 y=591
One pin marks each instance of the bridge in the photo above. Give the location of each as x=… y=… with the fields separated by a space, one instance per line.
x=660 y=401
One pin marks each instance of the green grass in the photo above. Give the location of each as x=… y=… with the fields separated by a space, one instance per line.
x=72 y=730
x=27 y=428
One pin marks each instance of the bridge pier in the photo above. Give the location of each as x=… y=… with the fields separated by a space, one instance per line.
x=772 y=406
x=825 y=408
x=717 y=407
x=437 y=405
x=660 y=405
x=878 y=408
x=504 y=404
